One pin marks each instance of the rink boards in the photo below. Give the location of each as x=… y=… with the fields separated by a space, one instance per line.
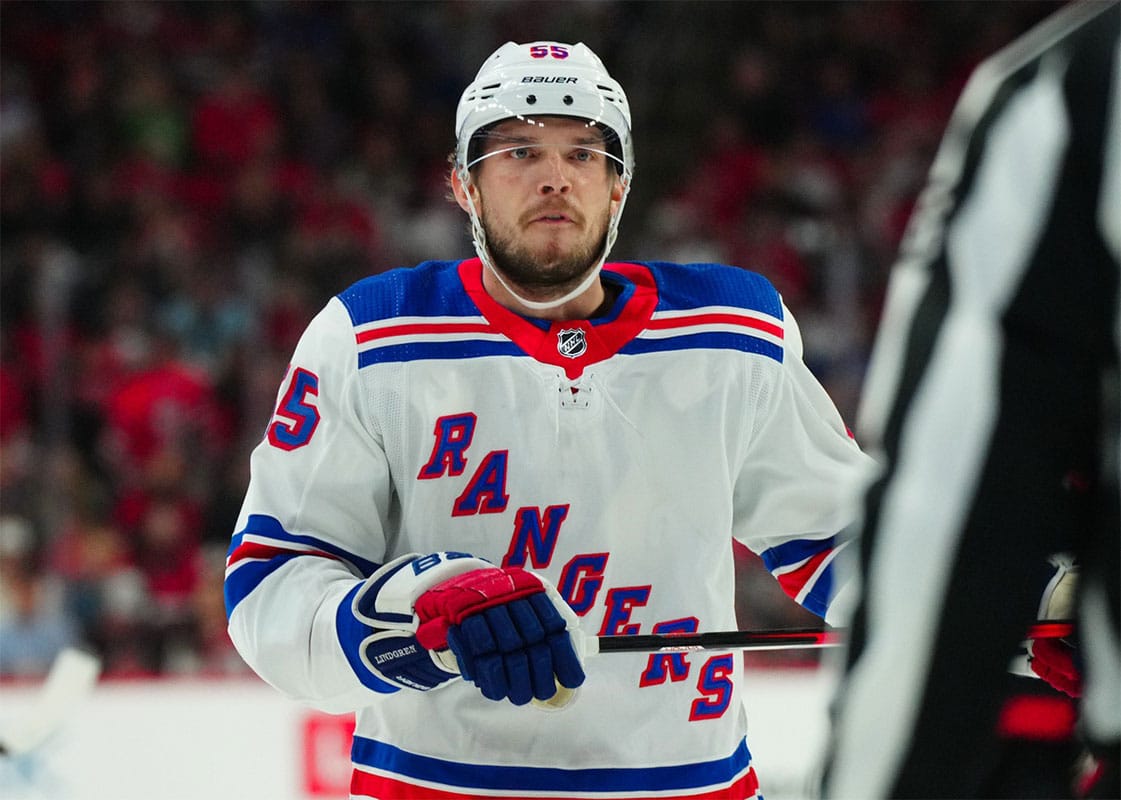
x=180 y=739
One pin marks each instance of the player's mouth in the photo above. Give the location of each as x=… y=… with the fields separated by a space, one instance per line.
x=551 y=216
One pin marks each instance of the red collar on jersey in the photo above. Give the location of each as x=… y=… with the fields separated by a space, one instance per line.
x=600 y=339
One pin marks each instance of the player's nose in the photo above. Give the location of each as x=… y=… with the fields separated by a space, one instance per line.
x=555 y=175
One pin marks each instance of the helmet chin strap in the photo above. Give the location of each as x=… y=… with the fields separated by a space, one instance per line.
x=543 y=305
x=479 y=238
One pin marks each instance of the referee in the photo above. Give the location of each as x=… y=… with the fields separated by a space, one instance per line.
x=992 y=403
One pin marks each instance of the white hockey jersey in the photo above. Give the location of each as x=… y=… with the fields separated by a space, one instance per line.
x=617 y=457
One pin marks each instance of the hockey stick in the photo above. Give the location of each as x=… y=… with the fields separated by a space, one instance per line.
x=777 y=639
x=72 y=677
x=781 y=639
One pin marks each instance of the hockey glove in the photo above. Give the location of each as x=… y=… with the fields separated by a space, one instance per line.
x=1056 y=660
x=388 y=655
x=509 y=630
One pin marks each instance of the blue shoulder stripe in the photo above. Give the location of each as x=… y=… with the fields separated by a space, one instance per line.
x=424 y=313
x=432 y=288
x=686 y=286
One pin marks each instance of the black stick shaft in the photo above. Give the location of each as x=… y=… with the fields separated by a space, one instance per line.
x=783 y=639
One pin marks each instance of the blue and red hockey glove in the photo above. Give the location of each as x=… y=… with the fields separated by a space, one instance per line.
x=426 y=620
x=507 y=630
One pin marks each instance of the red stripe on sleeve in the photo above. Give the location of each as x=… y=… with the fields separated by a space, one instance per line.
x=420 y=328
x=256 y=550
x=793 y=582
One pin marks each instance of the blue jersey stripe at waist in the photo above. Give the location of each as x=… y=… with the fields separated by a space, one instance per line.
x=387 y=758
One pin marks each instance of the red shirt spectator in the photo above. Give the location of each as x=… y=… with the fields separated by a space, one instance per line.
x=235 y=123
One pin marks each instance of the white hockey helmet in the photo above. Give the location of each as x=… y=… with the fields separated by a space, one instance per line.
x=523 y=81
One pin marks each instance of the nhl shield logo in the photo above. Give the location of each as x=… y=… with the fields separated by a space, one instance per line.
x=571 y=343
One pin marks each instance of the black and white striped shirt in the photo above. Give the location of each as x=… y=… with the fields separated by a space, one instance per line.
x=992 y=403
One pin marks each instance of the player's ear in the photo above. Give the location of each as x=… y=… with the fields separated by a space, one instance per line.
x=460 y=190
x=618 y=189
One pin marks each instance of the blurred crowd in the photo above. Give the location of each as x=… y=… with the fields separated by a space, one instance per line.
x=184 y=184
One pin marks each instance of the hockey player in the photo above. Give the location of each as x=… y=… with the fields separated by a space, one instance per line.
x=993 y=396
x=474 y=464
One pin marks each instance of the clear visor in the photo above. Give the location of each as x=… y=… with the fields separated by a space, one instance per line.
x=590 y=148
x=596 y=147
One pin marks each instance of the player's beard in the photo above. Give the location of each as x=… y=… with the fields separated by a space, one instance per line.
x=546 y=271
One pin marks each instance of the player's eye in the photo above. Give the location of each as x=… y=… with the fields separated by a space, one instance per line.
x=583 y=155
x=521 y=153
